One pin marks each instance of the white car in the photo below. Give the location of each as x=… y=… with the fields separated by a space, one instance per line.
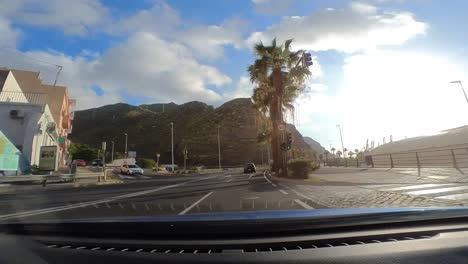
x=131 y=169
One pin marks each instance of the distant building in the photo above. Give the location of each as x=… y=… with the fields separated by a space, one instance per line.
x=33 y=114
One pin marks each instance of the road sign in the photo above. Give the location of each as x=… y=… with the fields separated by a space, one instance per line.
x=9 y=154
x=158 y=155
x=132 y=154
x=103 y=146
x=48 y=158
x=61 y=140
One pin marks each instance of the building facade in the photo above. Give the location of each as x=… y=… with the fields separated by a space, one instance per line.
x=33 y=114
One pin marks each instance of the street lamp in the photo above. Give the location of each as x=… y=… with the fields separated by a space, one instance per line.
x=126 y=140
x=461 y=85
x=219 y=150
x=172 y=145
x=112 y=153
x=341 y=137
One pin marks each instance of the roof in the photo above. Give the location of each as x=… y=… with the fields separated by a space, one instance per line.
x=55 y=98
x=29 y=81
x=3 y=77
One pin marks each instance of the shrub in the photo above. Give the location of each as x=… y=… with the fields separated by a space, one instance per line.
x=146 y=163
x=300 y=168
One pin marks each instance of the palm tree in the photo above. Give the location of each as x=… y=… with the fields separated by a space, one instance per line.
x=350 y=153
x=326 y=156
x=339 y=153
x=276 y=89
x=333 y=150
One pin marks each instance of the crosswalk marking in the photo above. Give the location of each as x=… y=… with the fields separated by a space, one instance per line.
x=451 y=191
x=419 y=186
x=439 y=190
x=460 y=196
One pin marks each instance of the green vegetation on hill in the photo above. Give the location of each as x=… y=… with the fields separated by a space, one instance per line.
x=195 y=127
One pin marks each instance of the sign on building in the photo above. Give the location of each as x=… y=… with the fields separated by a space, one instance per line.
x=9 y=154
x=132 y=154
x=48 y=158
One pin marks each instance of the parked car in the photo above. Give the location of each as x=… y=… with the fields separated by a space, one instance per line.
x=97 y=162
x=79 y=162
x=131 y=169
x=249 y=168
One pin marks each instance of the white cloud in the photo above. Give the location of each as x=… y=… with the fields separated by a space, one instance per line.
x=73 y=17
x=244 y=88
x=9 y=35
x=271 y=7
x=160 y=18
x=357 y=27
x=145 y=65
x=387 y=93
x=208 y=41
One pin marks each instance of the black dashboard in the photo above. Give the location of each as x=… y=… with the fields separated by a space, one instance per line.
x=429 y=241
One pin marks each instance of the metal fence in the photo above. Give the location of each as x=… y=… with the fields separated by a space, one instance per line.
x=438 y=158
x=20 y=97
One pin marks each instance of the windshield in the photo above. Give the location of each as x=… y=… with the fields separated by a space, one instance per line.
x=115 y=109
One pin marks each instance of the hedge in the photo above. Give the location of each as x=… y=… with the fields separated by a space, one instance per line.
x=300 y=168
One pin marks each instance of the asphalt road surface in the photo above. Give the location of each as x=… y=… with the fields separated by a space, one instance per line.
x=156 y=196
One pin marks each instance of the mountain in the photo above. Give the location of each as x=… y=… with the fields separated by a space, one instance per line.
x=314 y=145
x=195 y=127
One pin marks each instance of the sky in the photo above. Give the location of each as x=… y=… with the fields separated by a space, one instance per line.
x=381 y=67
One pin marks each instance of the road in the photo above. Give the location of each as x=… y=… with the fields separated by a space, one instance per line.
x=231 y=192
x=155 y=196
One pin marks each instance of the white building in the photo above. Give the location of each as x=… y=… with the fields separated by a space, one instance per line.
x=25 y=118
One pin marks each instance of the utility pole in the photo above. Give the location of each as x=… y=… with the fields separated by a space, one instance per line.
x=112 y=153
x=126 y=141
x=185 y=157
x=341 y=137
x=461 y=86
x=58 y=73
x=219 y=150
x=172 y=145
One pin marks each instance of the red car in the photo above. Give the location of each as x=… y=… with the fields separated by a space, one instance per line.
x=79 y=162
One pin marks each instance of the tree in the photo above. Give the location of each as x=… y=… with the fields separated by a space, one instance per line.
x=82 y=151
x=356 y=151
x=339 y=153
x=326 y=156
x=279 y=80
x=350 y=153
x=333 y=150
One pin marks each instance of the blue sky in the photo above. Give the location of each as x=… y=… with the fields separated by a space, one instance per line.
x=381 y=68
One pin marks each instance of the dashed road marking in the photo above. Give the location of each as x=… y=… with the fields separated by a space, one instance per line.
x=283 y=191
x=228 y=180
x=195 y=203
x=301 y=203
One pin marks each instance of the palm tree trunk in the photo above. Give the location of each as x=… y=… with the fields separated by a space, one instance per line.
x=279 y=165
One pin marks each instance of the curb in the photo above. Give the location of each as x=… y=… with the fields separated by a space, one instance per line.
x=307 y=181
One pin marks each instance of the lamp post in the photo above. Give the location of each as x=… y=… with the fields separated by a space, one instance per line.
x=341 y=137
x=126 y=141
x=461 y=86
x=112 y=153
x=219 y=150
x=172 y=145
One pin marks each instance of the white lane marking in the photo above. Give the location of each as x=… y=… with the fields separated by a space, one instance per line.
x=439 y=190
x=274 y=185
x=268 y=180
x=283 y=191
x=460 y=196
x=413 y=187
x=301 y=203
x=84 y=204
x=251 y=175
x=195 y=203
x=296 y=192
x=228 y=180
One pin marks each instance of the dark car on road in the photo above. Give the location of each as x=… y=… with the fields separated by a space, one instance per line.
x=97 y=162
x=249 y=168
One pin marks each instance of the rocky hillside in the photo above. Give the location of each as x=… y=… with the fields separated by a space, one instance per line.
x=314 y=145
x=195 y=127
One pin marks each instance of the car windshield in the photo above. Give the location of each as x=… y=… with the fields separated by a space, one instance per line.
x=230 y=107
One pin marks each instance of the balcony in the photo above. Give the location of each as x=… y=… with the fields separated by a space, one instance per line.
x=20 y=97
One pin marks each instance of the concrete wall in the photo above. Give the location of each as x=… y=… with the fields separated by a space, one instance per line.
x=28 y=133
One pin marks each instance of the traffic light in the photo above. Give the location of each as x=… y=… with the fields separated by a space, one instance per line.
x=289 y=141
x=284 y=146
x=306 y=60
